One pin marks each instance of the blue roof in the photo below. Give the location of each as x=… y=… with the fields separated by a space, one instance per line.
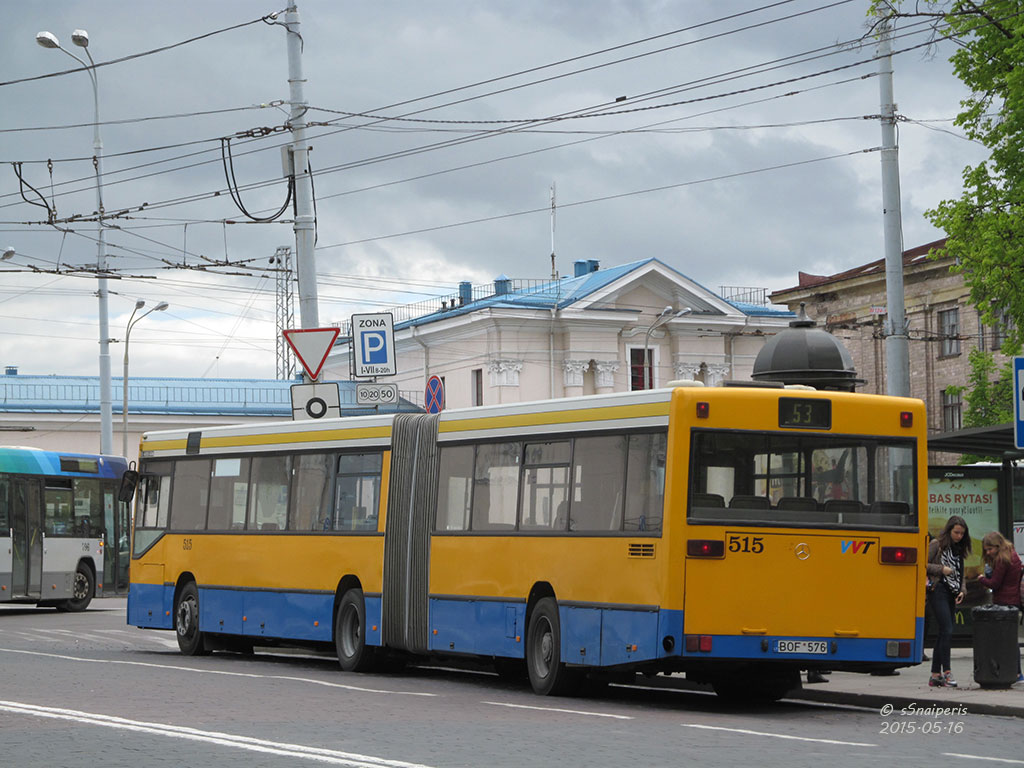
x=166 y=396
x=567 y=291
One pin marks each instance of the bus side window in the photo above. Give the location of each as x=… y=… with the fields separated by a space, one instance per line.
x=191 y=494
x=599 y=483
x=268 y=497
x=5 y=524
x=229 y=489
x=152 y=504
x=59 y=512
x=645 y=482
x=357 y=491
x=311 y=492
x=454 y=488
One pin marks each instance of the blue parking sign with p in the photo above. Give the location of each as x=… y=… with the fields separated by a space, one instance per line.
x=375 y=348
x=373 y=345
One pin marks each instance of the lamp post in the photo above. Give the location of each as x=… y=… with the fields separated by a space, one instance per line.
x=81 y=38
x=124 y=379
x=665 y=316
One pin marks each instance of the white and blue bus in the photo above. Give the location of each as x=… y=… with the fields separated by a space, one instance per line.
x=62 y=527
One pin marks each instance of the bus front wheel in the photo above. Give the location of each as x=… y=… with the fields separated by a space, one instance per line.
x=354 y=655
x=82 y=589
x=186 y=622
x=549 y=676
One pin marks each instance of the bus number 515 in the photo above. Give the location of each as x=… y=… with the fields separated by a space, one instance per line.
x=750 y=544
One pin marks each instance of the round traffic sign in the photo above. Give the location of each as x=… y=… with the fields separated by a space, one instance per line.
x=433 y=397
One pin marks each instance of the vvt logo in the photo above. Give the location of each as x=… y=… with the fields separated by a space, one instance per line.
x=375 y=348
x=856 y=546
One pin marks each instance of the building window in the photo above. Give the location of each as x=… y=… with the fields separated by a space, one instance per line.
x=952 y=407
x=1000 y=330
x=949 y=332
x=478 y=386
x=641 y=372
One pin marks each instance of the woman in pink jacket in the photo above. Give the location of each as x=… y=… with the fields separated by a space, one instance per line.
x=1004 y=580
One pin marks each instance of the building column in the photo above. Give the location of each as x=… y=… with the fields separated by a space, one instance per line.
x=685 y=369
x=504 y=373
x=605 y=379
x=572 y=376
x=716 y=374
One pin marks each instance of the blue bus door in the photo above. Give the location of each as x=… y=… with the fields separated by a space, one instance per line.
x=26 y=512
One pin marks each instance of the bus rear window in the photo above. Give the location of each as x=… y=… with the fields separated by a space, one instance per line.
x=802 y=480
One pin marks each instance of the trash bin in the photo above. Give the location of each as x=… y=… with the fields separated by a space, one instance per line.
x=995 y=645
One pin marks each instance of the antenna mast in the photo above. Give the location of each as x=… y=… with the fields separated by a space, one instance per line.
x=554 y=272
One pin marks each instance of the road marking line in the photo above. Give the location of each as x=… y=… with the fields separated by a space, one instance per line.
x=217 y=672
x=555 y=709
x=32 y=636
x=285 y=749
x=778 y=735
x=990 y=759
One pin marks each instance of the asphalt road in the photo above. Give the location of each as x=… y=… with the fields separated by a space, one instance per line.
x=87 y=690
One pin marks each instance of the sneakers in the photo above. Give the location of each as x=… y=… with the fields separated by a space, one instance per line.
x=936 y=682
x=948 y=679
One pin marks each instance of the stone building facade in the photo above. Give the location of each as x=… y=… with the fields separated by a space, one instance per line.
x=943 y=326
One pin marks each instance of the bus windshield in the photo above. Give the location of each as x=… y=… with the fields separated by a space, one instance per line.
x=803 y=479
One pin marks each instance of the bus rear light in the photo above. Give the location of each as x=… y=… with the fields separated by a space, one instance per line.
x=703 y=410
x=705 y=548
x=899 y=555
x=897 y=649
x=906 y=419
x=698 y=643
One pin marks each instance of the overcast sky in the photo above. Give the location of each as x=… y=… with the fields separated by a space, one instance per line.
x=711 y=101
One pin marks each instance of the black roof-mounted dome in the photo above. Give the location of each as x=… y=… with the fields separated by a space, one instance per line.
x=803 y=354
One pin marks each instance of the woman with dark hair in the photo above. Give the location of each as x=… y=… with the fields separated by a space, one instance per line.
x=1003 y=563
x=946 y=589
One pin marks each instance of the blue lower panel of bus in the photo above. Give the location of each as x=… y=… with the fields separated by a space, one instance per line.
x=785 y=648
x=592 y=635
x=258 y=613
x=149 y=605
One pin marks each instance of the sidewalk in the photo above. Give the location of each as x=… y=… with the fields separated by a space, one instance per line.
x=910 y=689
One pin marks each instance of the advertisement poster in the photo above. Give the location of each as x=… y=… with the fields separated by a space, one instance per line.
x=976 y=500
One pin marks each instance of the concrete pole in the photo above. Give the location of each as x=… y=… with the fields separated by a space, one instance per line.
x=305 y=260
x=897 y=358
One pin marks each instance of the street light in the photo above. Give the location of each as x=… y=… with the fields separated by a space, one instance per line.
x=124 y=378
x=81 y=38
x=8 y=253
x=666 y=315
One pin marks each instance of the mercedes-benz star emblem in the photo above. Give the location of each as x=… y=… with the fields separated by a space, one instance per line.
x=803 y=551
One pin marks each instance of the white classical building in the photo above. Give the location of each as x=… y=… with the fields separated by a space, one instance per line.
x=522 y=340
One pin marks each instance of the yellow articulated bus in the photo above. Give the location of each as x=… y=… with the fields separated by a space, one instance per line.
x=737 y=534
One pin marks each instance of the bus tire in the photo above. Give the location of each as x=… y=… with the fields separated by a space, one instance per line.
x=549 y=676
x=354 y=655
x=83 y=587
x=191 y=641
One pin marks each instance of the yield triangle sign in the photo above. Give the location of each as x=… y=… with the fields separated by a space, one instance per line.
x=311 y=346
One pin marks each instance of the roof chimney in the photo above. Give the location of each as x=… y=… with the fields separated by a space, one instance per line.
x=11 y=370
x=501 y=285
x=593 y=265
x=465 y=292
x=580 y=268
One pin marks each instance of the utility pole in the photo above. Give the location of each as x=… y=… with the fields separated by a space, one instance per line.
x=897 y=358
x=305 y=260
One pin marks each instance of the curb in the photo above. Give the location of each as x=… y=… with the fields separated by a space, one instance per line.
x=877 y=701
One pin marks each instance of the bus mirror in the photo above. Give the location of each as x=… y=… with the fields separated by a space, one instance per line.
x=129 y=481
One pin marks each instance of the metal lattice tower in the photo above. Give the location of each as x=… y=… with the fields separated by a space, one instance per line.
x=282 y=261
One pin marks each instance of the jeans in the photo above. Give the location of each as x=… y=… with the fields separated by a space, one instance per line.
x=941 y=602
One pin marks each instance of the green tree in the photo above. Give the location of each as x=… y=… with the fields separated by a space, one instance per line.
x=985 y=226
x=988 y=394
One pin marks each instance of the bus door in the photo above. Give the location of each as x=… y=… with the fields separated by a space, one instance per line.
x=26 y=521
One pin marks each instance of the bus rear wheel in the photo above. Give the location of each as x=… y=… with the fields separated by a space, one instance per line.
x=549 y=676
x=191 y=641
x=354 y=655
x=82 y=589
